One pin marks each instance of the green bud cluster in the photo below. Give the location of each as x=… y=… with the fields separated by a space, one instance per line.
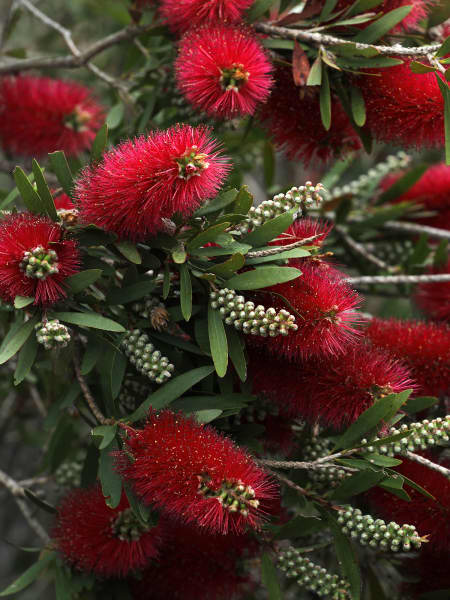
x=68 y=474
x=39 y=263
x=424 y=434
x=312 y=576
x=392 y=163
x=328 y=475
x=52 y=334
x=127 y=527
x=145 y=358
x=378 y=534
x=248 y=318
x=296 y=198
x=232 y=495
x=132 y=392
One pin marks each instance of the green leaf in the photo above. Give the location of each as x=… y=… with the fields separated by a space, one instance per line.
x=115 y=116
x=15 y=342
x=445 y=91
x=130 y=252
x=361 y=6
x=109 y=478
x=209 y=235
x=358 y=106
x=271 y=229
x=236 y=351
x=185 y=292
x=262 y=277
x=99 y=143
x=62 y=584
x=30 y=197
x=418 y=67
x=268 y=163
x=229 y=267
x=270 y=579
x=346 y=556
x=383 y=25
x=415 y=405
x=315 y=74
x=221 y=201
x=166 y=282
x=357 y=63
x=27 y=355
x=258 y=8
x=89 y=319
x=62 y=171
x=283 y=255
x=22 y=301
x=243 y=201
x=107 y=433
x=327 y=9
x=170 y=391
x=445 y=48
x=223 y=402
x=29 y=575
x=382 y=409
x=403 y=184
x=208 y=415
x=130 y=293
x=357 y=483
x=80 y=281
x=217 y=341
x=46 y=199
x=382 y=461
x=299 y=526
x=325 y=100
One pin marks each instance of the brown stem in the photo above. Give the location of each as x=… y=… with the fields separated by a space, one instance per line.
x=87 y=393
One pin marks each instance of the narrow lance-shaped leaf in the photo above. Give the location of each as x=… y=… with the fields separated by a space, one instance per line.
x=325 y=100
x=217 y=341
x=62 y=171
x=45 y=196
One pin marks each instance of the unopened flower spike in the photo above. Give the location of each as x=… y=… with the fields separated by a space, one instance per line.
x=247 y=317
x=378 y=534
x=423 y=434
x=52 y=334
x=329 y=475
x=297 y=198
x=313 y=577
x=145 y=357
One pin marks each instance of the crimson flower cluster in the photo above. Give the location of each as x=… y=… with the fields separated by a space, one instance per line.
x=184 y=14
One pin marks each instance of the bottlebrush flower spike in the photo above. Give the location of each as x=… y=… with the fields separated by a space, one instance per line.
x=292 y=117
x=429 y=516
x=423 y=347
x=35 y=259
x=323 y=306
x=223 y=71
x=334 y=390
x=182 y=15
x=433 y=298
x=143 y=181
x=404 y=107
x=196 y=475
x=40 y=115
x=194 y=565
x=95 y=538
x=302 y=229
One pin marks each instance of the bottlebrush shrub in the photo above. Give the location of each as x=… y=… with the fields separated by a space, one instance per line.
x=292 y=118
x=40 y=115
x=334 y=390
x=198 y=476
x=324 y=306
x=144 y=181
x=423 y=347
x=223 y=71
x=95 y=538
x=182 y=15
x=432 y=298
x=429 y=515
x=35 y=258
x=404 y=107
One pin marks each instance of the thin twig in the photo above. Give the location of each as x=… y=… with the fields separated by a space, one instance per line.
x=320 y=39
x=6 y=20
x=434 y=232
x=428 y=463
x=361 y=250
x=444 y=277
x=298 y=464
x=37 y=400
x=88 y=395
x=436 y=63
x=278 y=249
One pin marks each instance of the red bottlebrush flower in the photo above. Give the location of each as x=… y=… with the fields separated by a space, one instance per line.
x=423 y=347
x=431 y=192
x=196 y=475
x=324 y=307
x=431 y=517
x=63 y=202
x=334 y=391
x=404 y=107
x=292 y=117
x=143 y=181
x=182 y=15
x=223 y=71
x=35 y=259
x=195 y=565
x=302 y=229
x=434 y=298
x=105 y=541
x=40 y=115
